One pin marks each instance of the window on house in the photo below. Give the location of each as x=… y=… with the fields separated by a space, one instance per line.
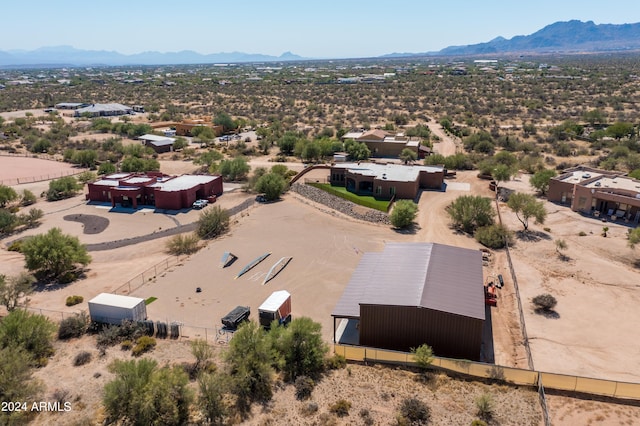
x=582 y=201
x=379 y=190
x=392 y=190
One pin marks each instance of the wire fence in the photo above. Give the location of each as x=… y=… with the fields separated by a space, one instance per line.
x=141 y=279
x=38 y=178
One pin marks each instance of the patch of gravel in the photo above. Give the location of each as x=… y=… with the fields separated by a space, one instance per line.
x=92 y=224
x=340 y=204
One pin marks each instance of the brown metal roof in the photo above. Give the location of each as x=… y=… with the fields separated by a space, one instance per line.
x=428 y=275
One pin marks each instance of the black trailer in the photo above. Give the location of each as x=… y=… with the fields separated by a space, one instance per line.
x=234 y=318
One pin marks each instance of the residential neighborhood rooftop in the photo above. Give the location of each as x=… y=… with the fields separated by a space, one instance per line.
x=394 y=172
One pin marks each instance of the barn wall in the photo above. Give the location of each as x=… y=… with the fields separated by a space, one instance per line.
x=405 y=327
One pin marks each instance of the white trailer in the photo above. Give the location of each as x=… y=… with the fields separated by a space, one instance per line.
x=113 y=308
x=276 y=307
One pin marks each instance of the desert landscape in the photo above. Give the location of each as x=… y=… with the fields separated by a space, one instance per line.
x=589 y=333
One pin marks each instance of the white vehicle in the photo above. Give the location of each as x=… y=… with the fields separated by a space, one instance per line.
x=199 y=204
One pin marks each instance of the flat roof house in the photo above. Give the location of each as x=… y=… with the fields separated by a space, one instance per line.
x=384 y=181
x=383 y=144
x=154 y=189
x=599 y=193
x=159 y=144
x=415 y=293
x=102 y=110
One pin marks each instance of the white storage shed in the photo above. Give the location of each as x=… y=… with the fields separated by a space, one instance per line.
x=114 y=308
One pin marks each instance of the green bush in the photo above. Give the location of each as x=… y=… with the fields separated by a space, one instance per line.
x=335 y=362
x=544 y=302
x=493 y=236
x=212 y=222
x=340 y=408
x=582 y=234
x=74 y=300
x=143 y=344
x=28 y=198
x=113 y=334
x=15 y=246
x=126 y=345
x=74 y=326
x=403 y=214
x=183 y=244
x=62 y=188
x=82 y=358
x=485 y=406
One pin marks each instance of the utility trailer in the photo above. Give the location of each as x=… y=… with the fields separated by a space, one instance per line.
x=109 y=308
x=236 y=317
x=276 y=307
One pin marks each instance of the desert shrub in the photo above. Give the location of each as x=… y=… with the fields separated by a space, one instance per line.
x=272 y=185
x=544 y=302
x=15 y=246
x=183 y=244
x=478 y=422
x=212 y=222
x=143 y=344
x=335 y=362
x=82 y=358
x=28 y=198
x=29 y=332
x=113 y=334
x=365 y=415
x=340 y=408
x=74 y=326
x=484 y=404
x=304 y=386
x=64 y=187
x=470 y=212
x=493 y=236
x=126 y=345
x=414 y=411
x=423 y=356
x=309 y=409
x=403 y=214
x=74 y=300
x=582 y=234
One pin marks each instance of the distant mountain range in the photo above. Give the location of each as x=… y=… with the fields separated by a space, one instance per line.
x=70 y=56
x=560 y=37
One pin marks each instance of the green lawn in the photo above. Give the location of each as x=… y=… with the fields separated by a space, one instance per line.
x=363 y=200
x=150 y=300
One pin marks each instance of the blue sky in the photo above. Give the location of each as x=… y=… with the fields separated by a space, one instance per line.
x=320 y=29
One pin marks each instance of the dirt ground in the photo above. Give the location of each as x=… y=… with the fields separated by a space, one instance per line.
x=15 y=169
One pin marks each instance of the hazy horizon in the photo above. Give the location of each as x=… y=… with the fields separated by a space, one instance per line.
x=328 y=29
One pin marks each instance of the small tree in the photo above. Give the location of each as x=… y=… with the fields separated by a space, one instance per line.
x=15 y=289
x=249 y=361
x=605 y=229
x=28 y=198
x=54 y=255
x=211 y=400
x=493 y=236
x=203 y=353
x=561 y=245
x=544 y=302
x=408 y=156
x=403 y=214
x=31 y=332
x=502 y=173
x=469 y=212
x=272 y=185
x=64 y=187
x=540 y=180
x=212 y=222
x=7 y=194
x=423 y=355
x=525 y=206
x=301 y=347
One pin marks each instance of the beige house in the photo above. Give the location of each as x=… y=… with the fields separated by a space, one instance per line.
x=599 y=193
x=383 y=144
x=384 y=181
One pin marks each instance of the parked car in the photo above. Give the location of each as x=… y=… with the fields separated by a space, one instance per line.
x=199 y=204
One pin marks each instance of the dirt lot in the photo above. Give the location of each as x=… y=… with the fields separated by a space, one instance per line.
x=14 y=170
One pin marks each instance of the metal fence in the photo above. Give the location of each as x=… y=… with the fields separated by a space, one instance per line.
x=38 y=178
x=148 y=275
x=517 y=376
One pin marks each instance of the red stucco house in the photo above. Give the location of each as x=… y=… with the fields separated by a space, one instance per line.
x=154 y=189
